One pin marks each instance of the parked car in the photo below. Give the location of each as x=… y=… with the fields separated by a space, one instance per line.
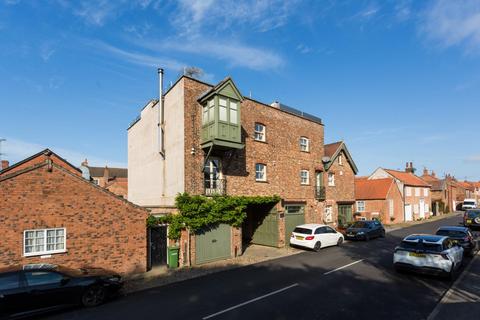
x=469 y=204
x=39 y=288
x=425 y=253
x=471 y=218
x=462 y=235
x=365 y=230
x=315 y=236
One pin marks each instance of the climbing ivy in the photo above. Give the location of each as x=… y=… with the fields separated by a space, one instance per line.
x=199 y=212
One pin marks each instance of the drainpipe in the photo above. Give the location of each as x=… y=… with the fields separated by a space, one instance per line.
x=160 y=114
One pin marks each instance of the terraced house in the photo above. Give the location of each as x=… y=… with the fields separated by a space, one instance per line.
x=211 y=140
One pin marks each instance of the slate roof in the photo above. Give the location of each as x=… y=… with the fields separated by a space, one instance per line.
x=376 y=189
x=112 y=172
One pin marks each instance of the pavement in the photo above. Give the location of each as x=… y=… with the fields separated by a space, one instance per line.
x=462 y=300
x=353 y=281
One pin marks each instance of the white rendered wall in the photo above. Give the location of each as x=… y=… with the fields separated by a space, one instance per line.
x=153 y=180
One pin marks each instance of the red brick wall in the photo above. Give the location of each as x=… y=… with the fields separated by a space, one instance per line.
x=102 y=230
x=281 y=153
x=344 y=189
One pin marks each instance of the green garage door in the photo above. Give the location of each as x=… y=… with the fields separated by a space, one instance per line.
x=266 y=232
x=294 y=216
x=213 y=244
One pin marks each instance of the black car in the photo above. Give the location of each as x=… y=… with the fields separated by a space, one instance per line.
x=30 y=289
x=471 y=218
x=462 y=235
x=365 y=230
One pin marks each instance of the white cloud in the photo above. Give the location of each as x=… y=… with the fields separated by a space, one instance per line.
x=47 y=50
x=302 y=48
x=16 y=150
x=137 y=58
x=453 y=23
x=262 y=15
x=96 y=13
x=474 y=158
x=234 y=53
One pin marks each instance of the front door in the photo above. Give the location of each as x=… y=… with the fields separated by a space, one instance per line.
x=158 y=246
x=408 y=212
x=344 y=214
x=422 y=208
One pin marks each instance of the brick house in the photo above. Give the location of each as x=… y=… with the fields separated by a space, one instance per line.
x=51 y=214
x=416 y=193
x=113 y=179
x=339 y=181
x=209 y=140
x=380 y=199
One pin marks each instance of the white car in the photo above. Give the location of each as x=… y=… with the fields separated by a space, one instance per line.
x=426 y=253
x=315 y=236
x=469 y=204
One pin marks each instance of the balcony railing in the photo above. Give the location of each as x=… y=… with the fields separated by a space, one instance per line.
x=320 y=193
x=215 y=187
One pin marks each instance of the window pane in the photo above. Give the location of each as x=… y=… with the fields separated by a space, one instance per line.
x=211 y=114
x=222 y=116
x=222 y=102
x=233 y=105
x=210 y=103
x=36 y=278
x=9 y=281
x=205 y=115
x=233 y=116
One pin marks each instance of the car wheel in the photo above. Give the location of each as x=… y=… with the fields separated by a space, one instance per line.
x=382 y=234
x=93 y=296
x=340 y=241
x=317 y=246
x=367 y=237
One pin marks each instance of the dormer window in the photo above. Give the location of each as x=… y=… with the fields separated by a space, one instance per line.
x=233 y=112
x=259 y=132
x=304 y=144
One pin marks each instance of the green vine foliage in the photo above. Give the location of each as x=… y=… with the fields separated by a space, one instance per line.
x=200 y=212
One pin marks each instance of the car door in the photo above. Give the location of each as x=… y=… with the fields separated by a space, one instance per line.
x=13 y=297
x=332 y=236
x=322 y=236
x=46 y=288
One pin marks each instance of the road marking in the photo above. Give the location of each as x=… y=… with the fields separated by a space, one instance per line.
x=250 y=301
x=345 y=266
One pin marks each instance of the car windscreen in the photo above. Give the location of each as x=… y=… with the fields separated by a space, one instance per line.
x=360 y=224
x=421 y=246
x=452 y=233
x=469 y=203
x=302 y=230
x=473 y=214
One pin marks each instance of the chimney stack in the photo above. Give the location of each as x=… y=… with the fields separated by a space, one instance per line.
x=434 y=174
x=4 y=164
x=425 y=171
x=410 y=167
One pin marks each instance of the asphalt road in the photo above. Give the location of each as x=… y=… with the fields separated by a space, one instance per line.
x=354 y=281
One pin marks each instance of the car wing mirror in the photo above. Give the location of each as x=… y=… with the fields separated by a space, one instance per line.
x=64 y=281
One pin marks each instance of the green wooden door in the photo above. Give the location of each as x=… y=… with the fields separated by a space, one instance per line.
x=344 y=214
x=213 y=244
x=294 y=216
x=266 y=232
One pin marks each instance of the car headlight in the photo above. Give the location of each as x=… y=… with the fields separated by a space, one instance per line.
x=114 y=279
x=360 y=233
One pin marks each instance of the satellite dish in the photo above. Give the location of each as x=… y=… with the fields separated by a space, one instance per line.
x=325 y=159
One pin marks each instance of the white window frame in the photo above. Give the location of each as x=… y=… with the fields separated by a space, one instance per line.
x=417 y=192
x=328 y=212
x=44 y=251
x=264 y=172
x=408 y=191
x=304 y=177
x=233 y=112
x=425 y=192
x=340 y=160
x=304 y=144
x=260 y=135
x=331 y=179
x=361 y=206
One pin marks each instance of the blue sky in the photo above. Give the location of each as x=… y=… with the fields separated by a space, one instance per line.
x=397 y=80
